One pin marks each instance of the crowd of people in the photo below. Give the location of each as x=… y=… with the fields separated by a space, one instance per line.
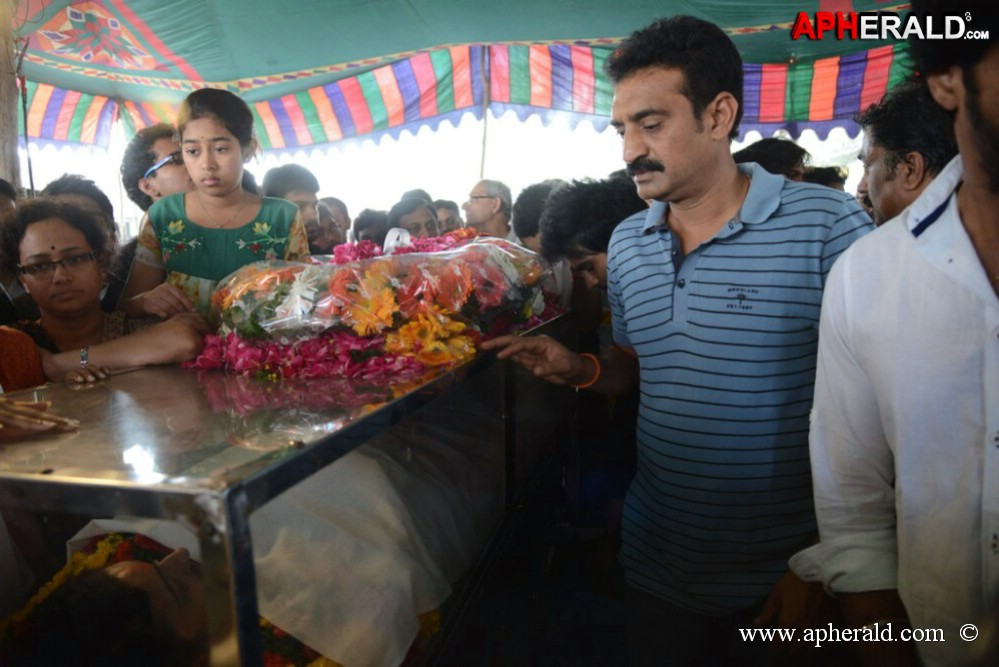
x=817 y=372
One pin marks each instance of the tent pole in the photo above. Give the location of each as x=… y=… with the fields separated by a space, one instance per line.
x=27 y=149
x=8 y=93
x=484 y=70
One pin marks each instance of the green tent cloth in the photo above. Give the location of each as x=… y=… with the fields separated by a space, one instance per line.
x=319 y=71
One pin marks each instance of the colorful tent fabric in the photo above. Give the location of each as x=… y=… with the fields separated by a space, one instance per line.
x=317 y=72
x=432 y=86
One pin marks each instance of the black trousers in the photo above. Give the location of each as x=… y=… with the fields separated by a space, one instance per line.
x=663 y=635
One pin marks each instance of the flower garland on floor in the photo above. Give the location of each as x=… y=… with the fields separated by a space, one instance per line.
x=370 y=317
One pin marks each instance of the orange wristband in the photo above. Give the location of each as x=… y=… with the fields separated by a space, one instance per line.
x=596 y=376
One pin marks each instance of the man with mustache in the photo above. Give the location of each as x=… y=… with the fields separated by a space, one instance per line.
x=908 y=139
x=905 y=429
x=715 y=294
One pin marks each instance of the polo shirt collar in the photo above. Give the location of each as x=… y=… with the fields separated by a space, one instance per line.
x=763 y=197
x=761 y=201
x=935 y=196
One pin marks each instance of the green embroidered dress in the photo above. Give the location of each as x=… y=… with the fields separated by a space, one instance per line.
x=196 y=258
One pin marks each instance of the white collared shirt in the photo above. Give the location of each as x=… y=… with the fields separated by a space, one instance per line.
x=905 y=424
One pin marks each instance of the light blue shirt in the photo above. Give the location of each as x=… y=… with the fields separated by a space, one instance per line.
x=726 y=347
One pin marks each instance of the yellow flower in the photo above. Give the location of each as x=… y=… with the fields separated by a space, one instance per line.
x=378 y=276
x=410 y=337
x=371 y=316
x=261 y=227
x=78 y=563
x=176 y=227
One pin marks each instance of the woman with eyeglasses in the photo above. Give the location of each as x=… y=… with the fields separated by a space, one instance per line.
x=60 y=255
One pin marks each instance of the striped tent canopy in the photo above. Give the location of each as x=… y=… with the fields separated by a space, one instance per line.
x=89 y=63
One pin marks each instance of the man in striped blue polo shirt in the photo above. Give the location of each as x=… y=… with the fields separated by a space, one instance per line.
x=715 y=294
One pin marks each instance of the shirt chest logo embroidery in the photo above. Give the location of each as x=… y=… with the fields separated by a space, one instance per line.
x=741 y=298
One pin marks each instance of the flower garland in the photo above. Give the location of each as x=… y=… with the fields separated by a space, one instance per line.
x=372 y=317
x=280 y=648
x=100 y=552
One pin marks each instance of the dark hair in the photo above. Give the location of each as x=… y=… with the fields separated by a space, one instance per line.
x=908 y=120
x=581 y=216
x=7 y=189
x=333 y=201
x=139 y=157
x=97 y=619
x=417 y=194
x=279 y=181
x=407 y=205
x=324 y=210
x=74 y=184
x=778 y=156
x=705 y=55
x=15 y=224
x=933 y=55
x=448 y=204
x=529 y=206
x=227 y=108
x=249 y=183
x=827 y=176
x=373 y=223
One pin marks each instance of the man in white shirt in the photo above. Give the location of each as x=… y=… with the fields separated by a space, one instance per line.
x=905 y=426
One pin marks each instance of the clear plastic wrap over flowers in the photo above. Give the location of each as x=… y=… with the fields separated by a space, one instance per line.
x=475 y=282
x=409 y=310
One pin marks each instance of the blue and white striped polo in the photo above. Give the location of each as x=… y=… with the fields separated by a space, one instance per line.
x=726 y=345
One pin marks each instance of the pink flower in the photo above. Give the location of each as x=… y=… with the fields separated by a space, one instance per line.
x=211 y=355
x=353 y=252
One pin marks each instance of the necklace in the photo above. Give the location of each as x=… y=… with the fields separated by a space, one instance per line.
x=232 y=217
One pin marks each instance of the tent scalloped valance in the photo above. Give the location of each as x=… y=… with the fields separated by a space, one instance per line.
x=538 y=79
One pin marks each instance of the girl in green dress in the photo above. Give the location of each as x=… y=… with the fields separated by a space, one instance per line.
x=192 y=240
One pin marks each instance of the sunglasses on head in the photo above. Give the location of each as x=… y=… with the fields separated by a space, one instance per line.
x=172 y=158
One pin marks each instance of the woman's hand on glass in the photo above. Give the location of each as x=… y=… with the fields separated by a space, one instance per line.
x=19 y=419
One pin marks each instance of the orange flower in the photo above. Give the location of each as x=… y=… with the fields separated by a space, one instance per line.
x=272 y=277
x=343 y=290
x=454 y=285
x=434 y=354
x=379 y=275
x=432 y=338
x=412 y=336
x=416 y=290
x=223 y=298
x=443 y=352
x=371 y=315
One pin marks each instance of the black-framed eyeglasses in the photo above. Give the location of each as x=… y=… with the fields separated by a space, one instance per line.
x=174 y=158
x=43 y=270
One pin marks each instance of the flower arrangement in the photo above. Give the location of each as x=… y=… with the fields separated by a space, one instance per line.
x=369 y=316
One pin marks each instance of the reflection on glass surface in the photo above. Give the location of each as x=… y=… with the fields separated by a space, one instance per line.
x=192 y=428
x=142 y=463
